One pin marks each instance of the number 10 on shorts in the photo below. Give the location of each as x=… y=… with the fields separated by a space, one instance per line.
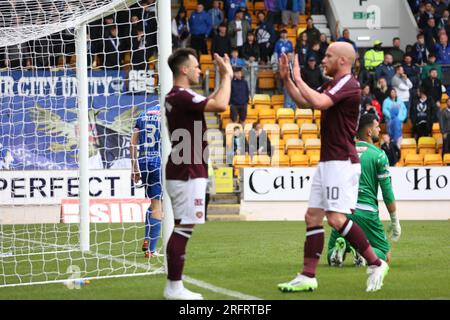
x=332 y=193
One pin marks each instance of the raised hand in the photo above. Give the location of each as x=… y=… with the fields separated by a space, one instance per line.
x=284 y=67
x=297 y=71
x=224 y=65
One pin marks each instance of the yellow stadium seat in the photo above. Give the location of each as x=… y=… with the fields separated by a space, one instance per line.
x=299 y=160
x=240 y=162
x=312 y=146
x=439 y=144
x=408 y=146
x=308 y=131
x=317 y=116
x=261 y=160
x=294 y=146
x=427 y=145
x=314 y=159
x=266 y=79
x=278 y=147
x=414 y=160
x=436 y=128
x=190 y=5
x=432 y=160
x=400 y=162
x=252 y=115
x=280 y=160
x=273 y=132
x=277 y=101
x=261 y=101
x=407 y=129
x=247 y=128
x=266 y=116
x=260 y=6
x=446 y=160
x=205 y=58
x=285 y=115
x=303 y=116
x=290 y=131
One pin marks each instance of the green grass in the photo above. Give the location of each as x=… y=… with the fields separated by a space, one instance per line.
x=253 y=257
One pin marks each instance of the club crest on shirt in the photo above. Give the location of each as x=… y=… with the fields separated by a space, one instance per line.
x=199 y=214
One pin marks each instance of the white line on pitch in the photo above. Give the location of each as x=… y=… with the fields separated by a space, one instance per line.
x=195 y=282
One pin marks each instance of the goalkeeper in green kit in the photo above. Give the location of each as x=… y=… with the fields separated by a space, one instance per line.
x=374 y=173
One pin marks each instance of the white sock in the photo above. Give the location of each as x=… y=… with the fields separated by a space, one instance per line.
x=176 y=285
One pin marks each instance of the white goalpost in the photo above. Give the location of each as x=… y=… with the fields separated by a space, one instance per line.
x=75 y=75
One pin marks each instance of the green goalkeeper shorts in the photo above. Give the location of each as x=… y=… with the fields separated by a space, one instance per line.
x=371 y=224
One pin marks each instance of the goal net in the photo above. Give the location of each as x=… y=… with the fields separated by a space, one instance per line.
x=46 y=57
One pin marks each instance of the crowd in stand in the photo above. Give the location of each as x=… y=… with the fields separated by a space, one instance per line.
x=131 y=32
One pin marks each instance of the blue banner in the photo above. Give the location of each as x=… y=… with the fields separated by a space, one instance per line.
x=38 y=119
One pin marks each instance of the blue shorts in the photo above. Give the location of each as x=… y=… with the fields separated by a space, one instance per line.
x=151 y=179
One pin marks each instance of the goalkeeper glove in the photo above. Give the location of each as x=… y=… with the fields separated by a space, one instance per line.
x=394 y=229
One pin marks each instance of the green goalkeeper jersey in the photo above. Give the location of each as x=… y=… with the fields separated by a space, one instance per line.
x=374 y=173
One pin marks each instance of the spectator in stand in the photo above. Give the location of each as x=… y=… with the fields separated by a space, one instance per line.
x=290 y=9
x=180 y=29
x=273 y=11
x=247 y=15
x=421 y=18
x=426 y=13
x=411 y=70
x=439 y=7
x=447 y=27
x=217 y=17
x=445 y=127
x=369 y=104
x=238 y=141
x=432 y=87
x=381 y=90
x=431 y=65
x=431 y=34
x=420 y=52
x=302 y=49
x=442 y=50
x=375 y=56
x=312 y=32
x=391 y=149
x=443 y=20
x=288 y=101
x=233 y=6
x=150 y=25
x=421 y=114
x=385 y=70
x=239 y=97
x=200 y=26
x=207 y=4
x=258 y=141
x=250 y=53
x=283 y=45
x=139 y=52
x=235 y=60
x=312 y=74
x=361 y=74
x=323 y=44
x=395 y=112
x=317 y=7
x=265 y=37
x=221 y=43
x=397 y=53
x=345 y=36
x=402 y=85
x=237 y=31
x=414 y=5
x=315 y=51
x=113 y=50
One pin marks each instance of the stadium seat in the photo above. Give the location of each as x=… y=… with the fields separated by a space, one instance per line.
x=436 y=131
x=277 y=101
x=247 y=128
x=400 y=162
x=317 y=116
x=278 y=146
x=280 y=160
x=252 y=115
x=294 y=146
x=266 y=79
x=299 y=160
x=432 y=160
x=266 y=116
x=314 y=159
x=206 y=58
x=427 y=145
x=290 y=131
x=446 y=160
x=408 y=146
x=312 y=146
x=240 y=162
x=190 y=5
x=414 y=160
x=261 y=160
x=261 y=101
x=303 y=116
x=260 y=6
x=407 y=129
x=273 y=131
x=308 y=131
x=285 y=115
x=439 y=144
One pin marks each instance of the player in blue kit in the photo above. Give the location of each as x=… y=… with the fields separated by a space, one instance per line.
x=147 y=168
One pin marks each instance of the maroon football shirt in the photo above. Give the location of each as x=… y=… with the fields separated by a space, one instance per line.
x=339 y=123
x=186 y=120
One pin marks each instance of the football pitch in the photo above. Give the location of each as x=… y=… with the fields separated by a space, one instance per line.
x=245 y=259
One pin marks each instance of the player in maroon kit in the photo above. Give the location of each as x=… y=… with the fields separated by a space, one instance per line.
x=187 y=166
x=334 y=188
